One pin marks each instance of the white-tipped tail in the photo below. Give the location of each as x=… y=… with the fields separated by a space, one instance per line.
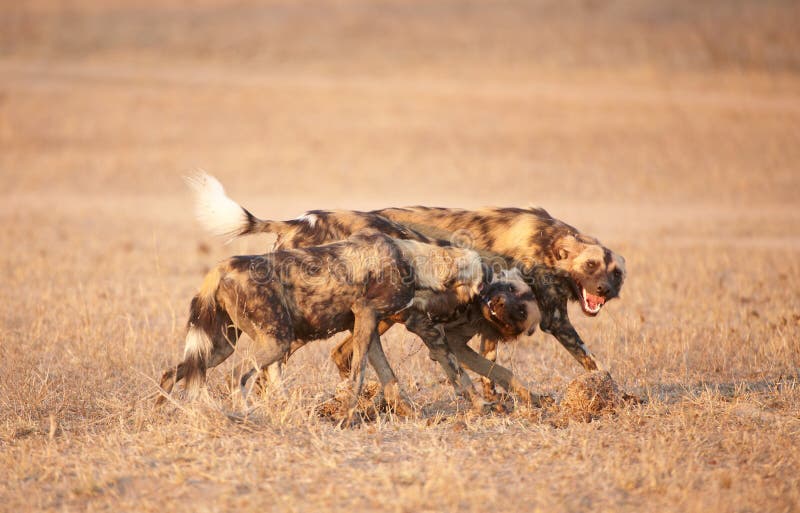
x=197 y=343
x=218 y=213
x=195 y=355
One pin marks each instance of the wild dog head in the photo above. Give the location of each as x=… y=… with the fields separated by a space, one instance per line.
x=597 y=272
x=509 y=304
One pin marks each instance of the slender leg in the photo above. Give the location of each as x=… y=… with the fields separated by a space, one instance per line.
x=391 y=388
x=365 y=332
x=555 y=321
x=489 y=351
x=572 y=342
x=275 y=352
x=223 y=344
x=433 y=337
x=274 y=377
x=498 y=373
x=342 y=354
x=274 y=373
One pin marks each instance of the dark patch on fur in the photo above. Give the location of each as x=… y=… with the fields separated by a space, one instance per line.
x=291 y=296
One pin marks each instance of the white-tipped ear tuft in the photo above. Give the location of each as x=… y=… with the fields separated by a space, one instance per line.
x=218 y=213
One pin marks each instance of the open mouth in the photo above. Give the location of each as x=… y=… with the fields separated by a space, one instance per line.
x=495 y=318
x=590 y=303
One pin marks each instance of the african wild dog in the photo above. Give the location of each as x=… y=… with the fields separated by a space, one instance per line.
x=504 y=309
x=307 y=294
x=223 y=216
x=559 y=262
x=527 y=237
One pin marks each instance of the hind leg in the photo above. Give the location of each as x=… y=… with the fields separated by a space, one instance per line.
x=274 y=352
x=222 y=346
x=342 y=354
x=168 y=380
x=268 y=375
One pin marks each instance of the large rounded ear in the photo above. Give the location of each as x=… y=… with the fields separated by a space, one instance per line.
x=621 y=263
x=564 y=247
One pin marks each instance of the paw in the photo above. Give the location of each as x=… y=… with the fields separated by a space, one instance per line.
x=482 y=407
x=350 y=421
x=401 y=408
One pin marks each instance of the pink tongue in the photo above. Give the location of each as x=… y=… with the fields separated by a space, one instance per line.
x=593 y=301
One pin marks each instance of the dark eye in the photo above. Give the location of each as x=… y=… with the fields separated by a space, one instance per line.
x=617 y=274
x=591 y=265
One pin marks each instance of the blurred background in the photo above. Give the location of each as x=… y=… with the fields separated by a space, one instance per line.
x=579 y=106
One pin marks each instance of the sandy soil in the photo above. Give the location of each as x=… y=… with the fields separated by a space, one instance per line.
x=669 y=131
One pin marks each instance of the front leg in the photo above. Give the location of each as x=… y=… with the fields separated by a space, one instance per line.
x=489 y=351
x=434 y=338
x=551 y=296
x=504 y=377
x=572 y=342
x=342 y=354
x=365 y=333
x=555 y=321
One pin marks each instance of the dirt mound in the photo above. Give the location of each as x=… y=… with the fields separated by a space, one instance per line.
x=590 y=396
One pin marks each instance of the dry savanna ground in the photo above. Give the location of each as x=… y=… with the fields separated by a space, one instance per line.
x=670 y=130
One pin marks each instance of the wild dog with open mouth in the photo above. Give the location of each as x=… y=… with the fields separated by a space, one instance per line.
x=222 y=216
x=558 y=262
x=527 y=237
x=504 y=308
x=296 y=296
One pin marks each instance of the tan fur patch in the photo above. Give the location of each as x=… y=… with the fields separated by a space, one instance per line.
x=510 y=240
x=438 y=268
x=209 y=286
x=584 y=253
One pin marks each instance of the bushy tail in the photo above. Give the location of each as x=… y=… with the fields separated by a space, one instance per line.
x=203 y=324
x=220 y=215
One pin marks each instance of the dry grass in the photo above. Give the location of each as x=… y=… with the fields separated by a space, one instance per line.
x=670 y=133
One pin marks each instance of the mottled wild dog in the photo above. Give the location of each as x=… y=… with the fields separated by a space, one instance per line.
x=504 y=309
x=559 y=263
x=223 y=216
x=300 y=295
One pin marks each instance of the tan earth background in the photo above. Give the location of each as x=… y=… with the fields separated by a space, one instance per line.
x=669 y=130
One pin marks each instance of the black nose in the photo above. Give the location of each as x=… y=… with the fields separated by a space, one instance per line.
x=602 y=290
